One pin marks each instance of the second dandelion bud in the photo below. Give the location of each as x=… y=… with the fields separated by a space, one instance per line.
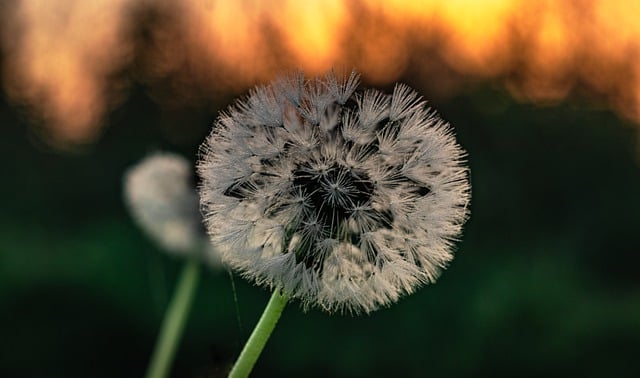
x=344 y=200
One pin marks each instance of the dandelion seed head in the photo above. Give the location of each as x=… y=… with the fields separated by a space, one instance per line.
x=346 y=200
x=161 y=197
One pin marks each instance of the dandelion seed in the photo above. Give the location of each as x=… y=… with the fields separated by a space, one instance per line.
x=360 y=196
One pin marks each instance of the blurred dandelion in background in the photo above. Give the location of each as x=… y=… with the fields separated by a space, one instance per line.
x=161 y=196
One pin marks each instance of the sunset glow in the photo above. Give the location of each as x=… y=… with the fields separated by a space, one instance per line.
x=64 y=59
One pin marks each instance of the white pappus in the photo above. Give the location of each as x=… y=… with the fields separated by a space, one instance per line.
x=346 y=200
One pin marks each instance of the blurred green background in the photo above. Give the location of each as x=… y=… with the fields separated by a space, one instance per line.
x=546 y=278
x=545 y=281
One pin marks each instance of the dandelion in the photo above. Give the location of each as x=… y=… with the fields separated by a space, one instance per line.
x=162 y=199
x=345 y=200
x=164 y=203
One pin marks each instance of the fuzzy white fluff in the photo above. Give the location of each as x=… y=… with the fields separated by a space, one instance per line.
x=161 y=197
x=342 y=199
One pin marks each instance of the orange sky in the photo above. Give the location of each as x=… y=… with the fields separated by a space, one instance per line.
x=64 y=58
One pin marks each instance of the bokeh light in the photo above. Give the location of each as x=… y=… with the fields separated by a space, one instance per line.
x=71 y=62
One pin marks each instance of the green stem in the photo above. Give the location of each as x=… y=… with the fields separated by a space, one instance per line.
x=174 y=321
x=259 y=336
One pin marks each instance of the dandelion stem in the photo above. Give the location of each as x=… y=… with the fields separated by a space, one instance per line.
x=259 y=336
x=174 y=321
